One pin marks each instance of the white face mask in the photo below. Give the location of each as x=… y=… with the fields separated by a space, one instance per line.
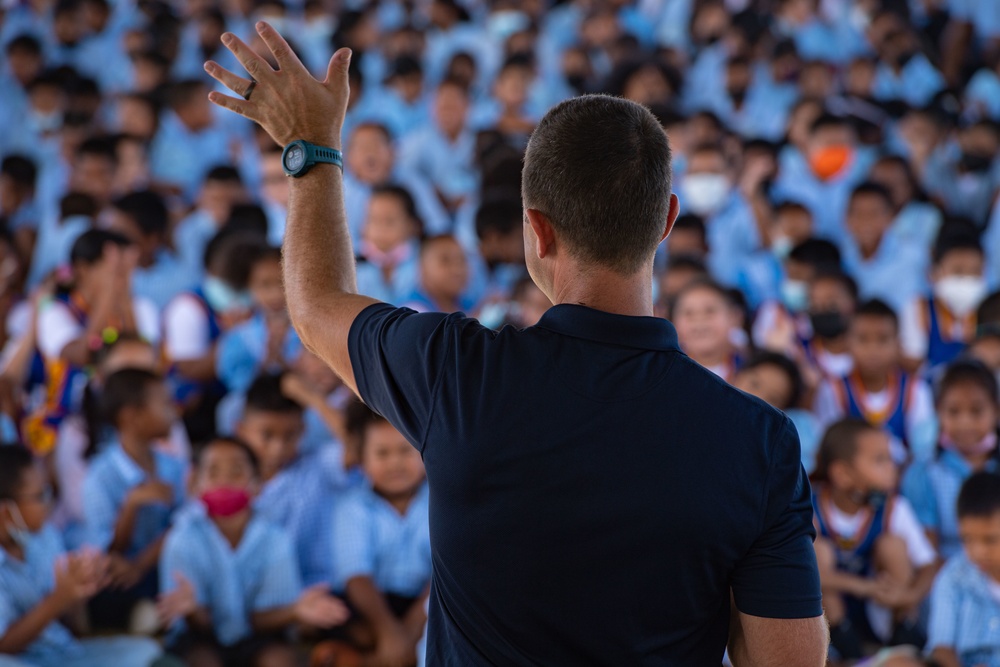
x=961 y=294
x=795 y=295
x=781 y=247
x=704 y=194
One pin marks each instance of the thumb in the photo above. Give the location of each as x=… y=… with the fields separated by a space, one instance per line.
x=336 y=71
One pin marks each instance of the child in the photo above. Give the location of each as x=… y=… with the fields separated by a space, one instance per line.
x=388 y=258
x=870 y=547
x=964 y=600
x=968 y=406
x=381 y=544
x=776 y=380
x=687 y=239
x=833 y=298
x=705 y=318
x=680 y=272
x=877 y=389
x=131 y=490
x=936 y=329
x=266 y=341
x=296 y=490
x=763 y=273
x=40 y=583
x=230 y=577
x=444 y=277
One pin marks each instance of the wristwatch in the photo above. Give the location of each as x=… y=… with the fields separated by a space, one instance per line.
x=300 y=156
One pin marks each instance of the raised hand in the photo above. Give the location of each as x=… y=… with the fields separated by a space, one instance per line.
x=76 y=580
x=178 y=603
x=317 y=608
x=289 y=103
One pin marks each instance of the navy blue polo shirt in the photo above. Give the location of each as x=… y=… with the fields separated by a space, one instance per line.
x=594 y=493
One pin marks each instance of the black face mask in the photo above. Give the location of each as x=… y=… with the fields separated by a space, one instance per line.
x=975 y=163
x=829 y=324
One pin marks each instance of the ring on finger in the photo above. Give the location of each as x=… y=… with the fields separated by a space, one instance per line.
x=249 y=90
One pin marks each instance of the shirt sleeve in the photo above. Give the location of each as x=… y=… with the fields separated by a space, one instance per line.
x=912 y=335
x=283 y=583
x=399 y=358
x=57 y=328
x=353 y=543
x=942 y=628
x=827 y=406
x=921 y=422
x=99 y=510
x=778 y=577
x=903 y=523
x=235 y=363
x=185 y=330
x=916 y=488
x=147 y=319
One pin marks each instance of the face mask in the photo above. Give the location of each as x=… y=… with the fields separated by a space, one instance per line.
x=961 y=294
x=829 y=324
x=794 y=295
x=45 y=123
x=975 y=163
x=221 y=297
x=703 y=194
x=19 y=531
x=984 y=446
x=781 y=247
x=830 y=161
x=225 y=501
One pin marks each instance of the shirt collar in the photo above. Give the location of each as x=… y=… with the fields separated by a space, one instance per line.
x=649 y=333
x=129 y=470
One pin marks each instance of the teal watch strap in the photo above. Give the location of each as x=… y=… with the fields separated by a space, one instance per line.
x=300 y=156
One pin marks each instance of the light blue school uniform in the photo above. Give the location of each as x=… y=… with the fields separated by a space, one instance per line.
x=447 y=165
x=916 y=83
x=732 y=237
x=372 y=539
x=261 y=573
x=984 y=16
x=705 y=78
x=896 y=273
x=242 y=351
x=432 y=212
x=167 y=277
x=24 y=584
x=182 y=157
x=983 y=90
x=917 y=225
x=965 y=614
x=405 y=278
x=932 y=488
x=112 y=474
x=191 y=237
x=809 y=431
x=760 y=277
x=969 y=194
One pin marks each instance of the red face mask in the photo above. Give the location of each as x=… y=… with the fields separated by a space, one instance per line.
x=830 y=161
x=225 y=501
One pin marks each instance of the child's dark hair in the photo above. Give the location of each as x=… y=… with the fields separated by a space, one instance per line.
x=947 y=243
x=839 y=443
x=19 y=169
x=691 y=222
x=199 y=451
x=705 y=284
x=403 y=196
x=428 y=241
x=872 y=188
x=502 y=215
x=265 y=395
x=92 y=407
x=786 y=366
x=127 y=388
x=818 y=253
x=838 y=276
x=877 y=308
x=265 y=253
x=89 y=247
x=966 y=372
x=980 y=496
x=14 y=461
x=147 y=210
x=988 y=315
x=358 y=417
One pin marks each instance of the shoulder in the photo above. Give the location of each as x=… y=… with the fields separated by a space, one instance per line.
x=959 y=574
x=169 y=464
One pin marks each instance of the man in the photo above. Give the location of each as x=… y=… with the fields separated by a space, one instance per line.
x=588 y=503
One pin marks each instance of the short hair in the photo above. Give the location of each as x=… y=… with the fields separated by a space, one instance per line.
x=405 y=198
x=265 y=395
x=692 y=223
x=375 y=126
x=231 y=252
x=825 y=120
x=968 y=372
x=947 y=243
x=988 y=312
x=705 y=284
x=230 y=441
x=265 y=253
x=88 y=249
x=875 y=189
x=25 y=43
x=454 y=82
x=877 y=308
x=786 y=366
x=223 y=173
x=687 y=263
x=502 y=215
x=358 y=417
x=839 y=443
x=20 y=169
x=147 y=209
x=248 y=218
x=790 y=206
x=598 y=167
x=76 y=204
x=100 y=147
x=427 y=241
x=816 y=253
x=15 y=460
x=185 y=92
x=980 y=496
x=126 y=388
x=838 y=276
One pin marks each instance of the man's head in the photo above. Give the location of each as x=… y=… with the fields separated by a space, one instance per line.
x=596 y=189
x=979 y=521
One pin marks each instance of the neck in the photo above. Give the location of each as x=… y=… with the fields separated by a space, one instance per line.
x=835 y=345
x=139 y=450
x=843 y=501
x=399 y=501
x=977 y=461
x=869 y=250
x=874 y=381
x=232 y=527
x=448 y=303
x=604 y=290
x=712 y=360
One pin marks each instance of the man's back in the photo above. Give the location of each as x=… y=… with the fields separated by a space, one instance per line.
x=595 y=494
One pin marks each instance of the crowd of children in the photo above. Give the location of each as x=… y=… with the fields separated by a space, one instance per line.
x=179 y=466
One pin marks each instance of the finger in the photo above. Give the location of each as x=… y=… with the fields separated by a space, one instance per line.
x=242 y=107
x=283 y=54
x=237 y=84
x=336 y=71
x=255 y=66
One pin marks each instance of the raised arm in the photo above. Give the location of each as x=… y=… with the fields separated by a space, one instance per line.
x=318 y=261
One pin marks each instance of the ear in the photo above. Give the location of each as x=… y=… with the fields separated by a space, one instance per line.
x=543 y=230
x=672 y=212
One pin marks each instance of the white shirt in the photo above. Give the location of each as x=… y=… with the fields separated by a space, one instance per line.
x=902 y=524
x=913 y=334
x=57 y=327
x=186 y=334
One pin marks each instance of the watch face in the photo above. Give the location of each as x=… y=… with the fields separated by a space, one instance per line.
x=295 y=158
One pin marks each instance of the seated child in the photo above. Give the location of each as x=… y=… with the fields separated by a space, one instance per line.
x=389 y=251
x=968 y=406
x=878 y=390
x=870 y=547
x=833 y=298
x=230 y=578
x=131 y=491
x=776 y=380
x=444 y=277
x=40 y=584
x=265 y=342
x=680 y=272
x=935 y=329
x=986 y=346
x=964 y=601
x=763 y=277
x=705 y=319
x=381 y=546
x=297 y=491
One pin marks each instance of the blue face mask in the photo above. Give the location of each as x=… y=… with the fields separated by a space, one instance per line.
x=795 y=295
x=221 y=297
